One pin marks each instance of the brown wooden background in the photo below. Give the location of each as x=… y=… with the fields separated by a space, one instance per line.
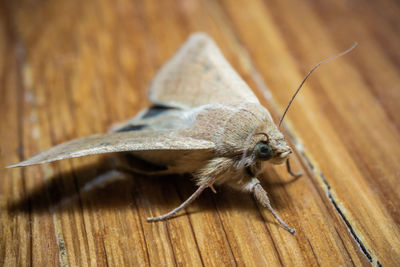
x=71 y=68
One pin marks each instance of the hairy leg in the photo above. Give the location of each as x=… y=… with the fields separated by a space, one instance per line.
x=186 y=203
x=261 y=195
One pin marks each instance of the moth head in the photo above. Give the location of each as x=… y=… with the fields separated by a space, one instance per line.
x=274 y=149
x=275 y=155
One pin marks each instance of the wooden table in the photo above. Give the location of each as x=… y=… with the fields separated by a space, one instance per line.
x=71 y=68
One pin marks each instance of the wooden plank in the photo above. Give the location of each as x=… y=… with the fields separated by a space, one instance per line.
x=73 y=68
x=350 y=133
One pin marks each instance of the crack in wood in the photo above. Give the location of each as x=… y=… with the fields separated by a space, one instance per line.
x=350 y=228
x=333 y=200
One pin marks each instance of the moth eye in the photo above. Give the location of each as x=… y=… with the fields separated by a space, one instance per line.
x=263 y=151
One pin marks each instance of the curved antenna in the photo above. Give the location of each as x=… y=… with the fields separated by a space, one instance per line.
x=309 y=73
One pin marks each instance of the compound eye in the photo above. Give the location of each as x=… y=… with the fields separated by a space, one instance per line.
x=263 y=151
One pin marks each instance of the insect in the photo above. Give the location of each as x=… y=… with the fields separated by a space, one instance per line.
x=205 y=121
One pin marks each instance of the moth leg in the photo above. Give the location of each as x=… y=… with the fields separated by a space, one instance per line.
x=262 y=197
x=289 y=170
x=186 y=203
x=212 y=188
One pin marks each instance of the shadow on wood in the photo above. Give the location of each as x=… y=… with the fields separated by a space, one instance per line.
x=105 y=188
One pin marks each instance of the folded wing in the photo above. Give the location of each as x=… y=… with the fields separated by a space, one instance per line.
x=196 y=75
x=118 y=142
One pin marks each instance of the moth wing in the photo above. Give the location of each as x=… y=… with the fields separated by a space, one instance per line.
x=196 y=75
x=118 y=142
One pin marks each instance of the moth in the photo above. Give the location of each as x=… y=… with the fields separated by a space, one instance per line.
x=205 y=121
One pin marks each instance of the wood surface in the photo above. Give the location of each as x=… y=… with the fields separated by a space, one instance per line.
x=72 y=68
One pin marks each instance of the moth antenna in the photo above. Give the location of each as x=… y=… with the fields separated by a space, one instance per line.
x=261 y=133
x=308 y=74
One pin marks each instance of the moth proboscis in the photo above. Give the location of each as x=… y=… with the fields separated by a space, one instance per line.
x=205 y=121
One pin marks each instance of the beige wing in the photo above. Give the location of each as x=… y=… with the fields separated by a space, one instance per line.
x=118 y=142
x=196 y=75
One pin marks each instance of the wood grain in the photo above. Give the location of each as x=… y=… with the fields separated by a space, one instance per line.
x=72 y=68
